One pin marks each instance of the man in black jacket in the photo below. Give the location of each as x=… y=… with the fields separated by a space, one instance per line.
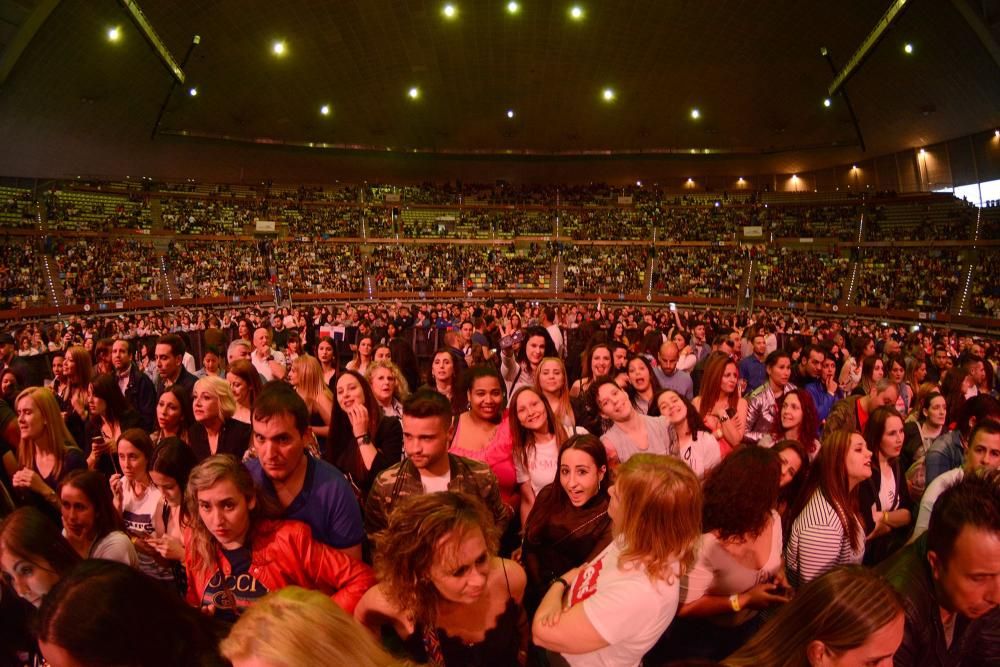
x=949 y=580
x=136 y=386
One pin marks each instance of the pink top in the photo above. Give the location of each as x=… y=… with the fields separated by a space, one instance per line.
x=498 y=454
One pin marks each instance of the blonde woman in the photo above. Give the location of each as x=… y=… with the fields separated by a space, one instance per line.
x=389 y=386
x=294 y=626
x=214 y=430
x=306 y=375
x=550 y=379
x=612 y=609
x=232 y=540
x=46 y=454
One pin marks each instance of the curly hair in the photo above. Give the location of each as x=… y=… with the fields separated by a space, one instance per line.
x=423 y=530
x=741 y=492
x=810 y=420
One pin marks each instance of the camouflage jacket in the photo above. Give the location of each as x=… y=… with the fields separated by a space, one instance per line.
x=403 y=479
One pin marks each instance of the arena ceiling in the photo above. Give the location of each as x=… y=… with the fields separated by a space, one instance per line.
x=752 y=68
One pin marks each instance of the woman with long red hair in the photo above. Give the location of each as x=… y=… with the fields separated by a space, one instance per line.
x=719 y=403
x=795 y=419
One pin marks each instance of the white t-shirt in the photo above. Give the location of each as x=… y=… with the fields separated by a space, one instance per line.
x=543 y=462
x=627 y=609
x=701 y=454
x=941 y=483
x=115 y=546
x=140 y=514
x=557 y=338
x=435 y=484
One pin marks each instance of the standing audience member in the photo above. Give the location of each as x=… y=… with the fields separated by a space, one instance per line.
x=613 y=608
x=884 y=498
x=630 y=432
x=174 y=415
x=796 y=420
x=851 y=413
x=442 y=590
x=34 y=554
x=827 y=529
x=550 y=380
x=695 y=445
x=46 y=454
x=752 y=369
x=569 y=523
x=90 y=521
x=135 y=385
x=536 y=438
x=215 y=431
x=269 y=362
x=110 y=416
x=389 y=387
x=172 y=465
x=169 y=364
x=920 y=432
x=304 y=487
x=236 y=555
x=948 y=580
x=306 y=376
x=720 y=405
x=849 y=616
x=761 y=402
x=245 y=383
x=948 y=451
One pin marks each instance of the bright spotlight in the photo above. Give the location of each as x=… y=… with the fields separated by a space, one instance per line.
x=278 y=48
x=608 y=95
x=414 y=93
x=695 y=114
x=908 y=48
x=510 y=113
x=827 y=102
x=193 y=92
x=114 y=34
x=449 y=11
x=576 y=12
x=513 y=7
x=325 y=109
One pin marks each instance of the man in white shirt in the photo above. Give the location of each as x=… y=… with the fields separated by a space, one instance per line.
x=269 y=362
x=983 y=451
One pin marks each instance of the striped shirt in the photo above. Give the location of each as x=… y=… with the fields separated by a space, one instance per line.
x=818 y=543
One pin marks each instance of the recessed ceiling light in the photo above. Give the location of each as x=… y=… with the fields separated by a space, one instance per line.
x=325 y=109
x=908 y=48
x=510 y=113
x=608 y=95
x=449 y=11
x=193 y=92
x=576 y=12
x=513 y=7
x=695 y=114
x=278 y=48
x=114 y=34
x=414 y=93
x=827 y=102
x=690 y=180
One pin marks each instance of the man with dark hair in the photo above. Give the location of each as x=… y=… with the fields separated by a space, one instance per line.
x=948 y=450
x=306 y=488
x=169 y=364
x=942 y=362
x=810 y=366
x=429 y=467
x=949 y=579
x=825 y=391
x=752 y=367
x=135 y=385
x=698 y=344
x=21 y=368
x=549 y=322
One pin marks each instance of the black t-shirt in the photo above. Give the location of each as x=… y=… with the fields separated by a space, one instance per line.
x=232 y=594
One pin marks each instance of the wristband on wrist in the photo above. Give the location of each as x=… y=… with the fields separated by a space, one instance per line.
x=734 y=602
x=560 y=580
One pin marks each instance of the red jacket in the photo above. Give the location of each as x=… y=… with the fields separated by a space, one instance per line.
x=284 y=553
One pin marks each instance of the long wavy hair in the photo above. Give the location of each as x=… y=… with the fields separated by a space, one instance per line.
x=422 y=530
x=83 y=369
x=310 y=385
x=810 y=420
x=341 y=445
x=32 y=536
x=741 y=492
x=205 y=475
x=55 y=440
x=841 y=609
x=402 y=386
x=711 y=383
x=661 y=507
x=105 y=387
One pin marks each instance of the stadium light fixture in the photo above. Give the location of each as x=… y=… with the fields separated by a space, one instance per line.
x=576 y=12
x=908 y=48
x=279 y=48
x=513 y=7
x=193 y=92
x=510 y=113
x=114 y=34
x=827 y=102
x=413 y=92
x=325 y=109
x=695 y=114
x=608 y=95
x=449 y=11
